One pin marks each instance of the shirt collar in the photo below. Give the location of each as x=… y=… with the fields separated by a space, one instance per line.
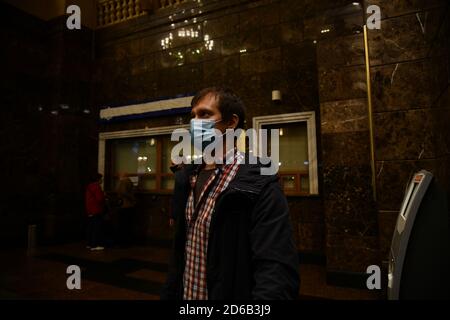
x=231 y=156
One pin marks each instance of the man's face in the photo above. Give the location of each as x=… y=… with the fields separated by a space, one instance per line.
x=207 y=108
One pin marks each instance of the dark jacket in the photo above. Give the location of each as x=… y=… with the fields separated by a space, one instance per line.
x=251 y=252
x=180 y=192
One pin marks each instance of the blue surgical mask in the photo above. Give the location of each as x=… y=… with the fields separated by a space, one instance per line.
x=203 y=131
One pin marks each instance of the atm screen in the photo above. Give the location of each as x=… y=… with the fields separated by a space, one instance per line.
x=409 y=195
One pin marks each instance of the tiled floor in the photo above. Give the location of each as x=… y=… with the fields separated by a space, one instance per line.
x=132 y=273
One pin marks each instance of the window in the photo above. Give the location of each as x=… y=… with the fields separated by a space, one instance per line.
x=143 y=155
x=146 y=161
x=297 y=150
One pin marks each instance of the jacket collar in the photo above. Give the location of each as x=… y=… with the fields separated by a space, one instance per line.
x=249 y=178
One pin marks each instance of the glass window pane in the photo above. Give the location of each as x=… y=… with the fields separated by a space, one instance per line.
x=167 y=183
x=147 y=183
x=293 y=154
x=138 y=158
x=134 y=156
x=293 y=144
x=289 y=182
x=167 y=146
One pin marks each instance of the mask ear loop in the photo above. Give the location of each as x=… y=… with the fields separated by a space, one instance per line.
x=218 y=121
x=222 y=120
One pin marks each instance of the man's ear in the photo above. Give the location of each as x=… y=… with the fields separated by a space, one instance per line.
x=234 y=121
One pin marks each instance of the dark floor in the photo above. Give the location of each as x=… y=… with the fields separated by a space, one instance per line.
x=132 y=273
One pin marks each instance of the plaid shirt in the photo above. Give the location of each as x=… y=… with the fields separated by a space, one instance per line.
x=198 y=218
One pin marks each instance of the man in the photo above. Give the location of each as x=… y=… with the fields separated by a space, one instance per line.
x=234 y=240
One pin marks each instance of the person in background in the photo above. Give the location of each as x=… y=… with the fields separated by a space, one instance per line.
x=127 y=203
x=95 y=206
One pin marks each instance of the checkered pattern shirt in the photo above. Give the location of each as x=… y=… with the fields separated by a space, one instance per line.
x=198 y=218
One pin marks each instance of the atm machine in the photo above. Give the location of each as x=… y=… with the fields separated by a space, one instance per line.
x=419 y=265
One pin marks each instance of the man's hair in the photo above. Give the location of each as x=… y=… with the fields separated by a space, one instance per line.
x=227 y=101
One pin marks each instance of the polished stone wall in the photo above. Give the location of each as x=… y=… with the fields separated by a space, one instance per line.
x=22 y=44
x=48 y=152
x=410 y=79
x=350 y=213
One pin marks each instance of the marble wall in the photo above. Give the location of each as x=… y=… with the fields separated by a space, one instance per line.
x=350 y=212
x=410 y=79
x=48 y=151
